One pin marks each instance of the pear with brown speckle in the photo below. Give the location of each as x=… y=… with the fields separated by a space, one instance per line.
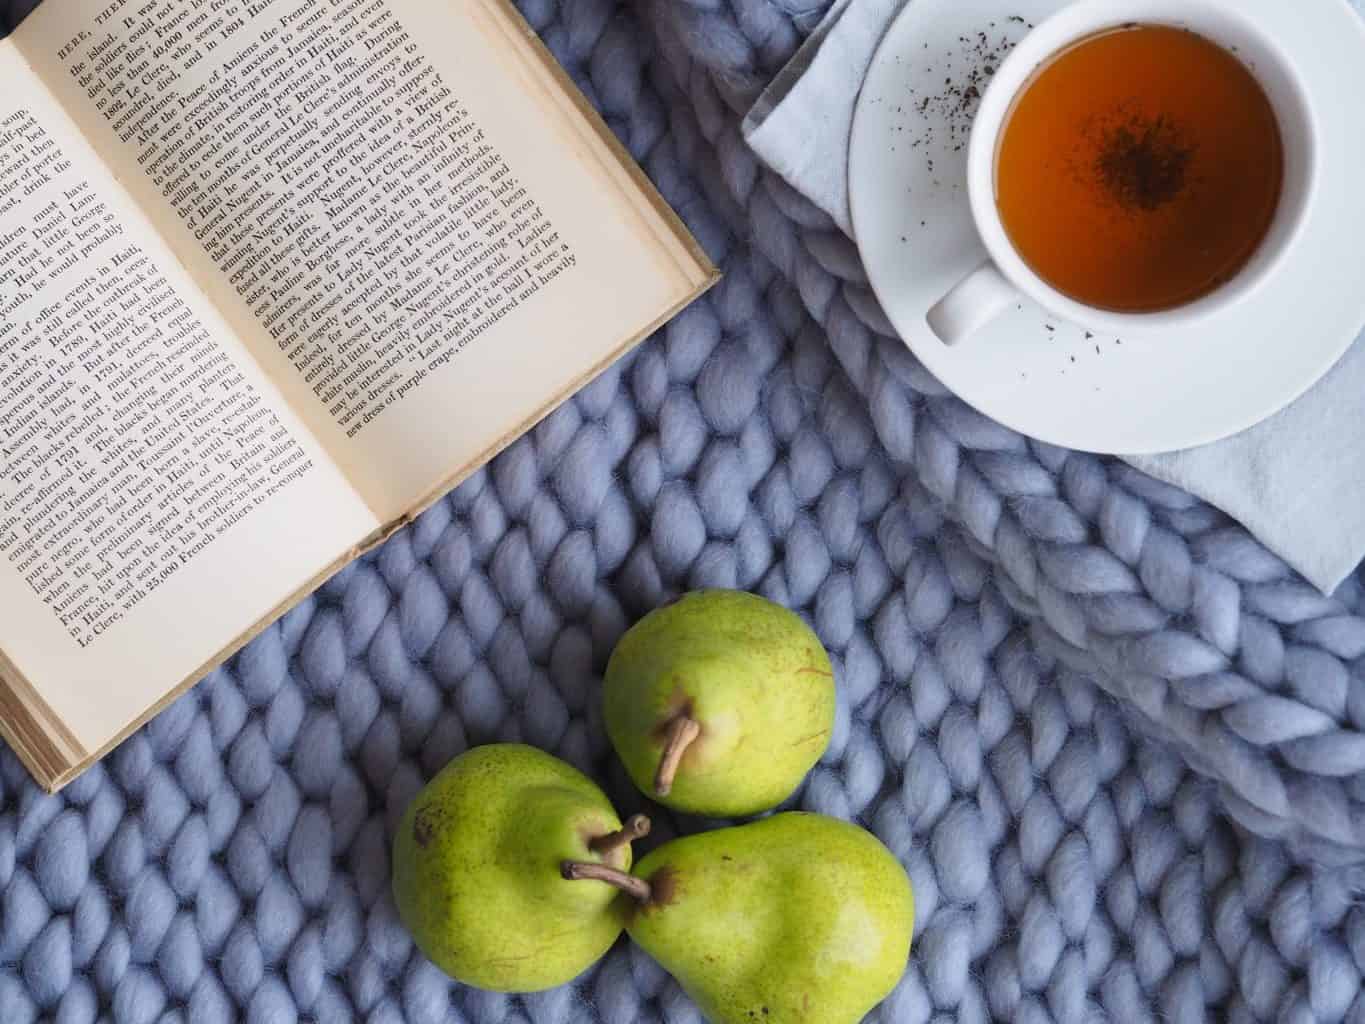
x=477 y=877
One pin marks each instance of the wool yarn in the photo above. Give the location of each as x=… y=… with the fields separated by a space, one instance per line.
x=1116 y=743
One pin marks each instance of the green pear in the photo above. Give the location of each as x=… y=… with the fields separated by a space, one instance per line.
x=477 y=877
x=719 y=703
x=796 y=918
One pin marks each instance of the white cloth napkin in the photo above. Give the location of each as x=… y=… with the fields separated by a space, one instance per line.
x=1296 y=481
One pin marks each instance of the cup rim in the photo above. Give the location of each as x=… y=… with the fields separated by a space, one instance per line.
x=1081 y=20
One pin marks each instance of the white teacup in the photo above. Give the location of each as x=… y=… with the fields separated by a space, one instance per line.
x=1004 y=276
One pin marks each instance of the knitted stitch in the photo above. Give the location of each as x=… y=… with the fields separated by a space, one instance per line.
x=1222 y=649
x=1056 y=677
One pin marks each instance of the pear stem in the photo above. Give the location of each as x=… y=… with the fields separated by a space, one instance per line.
x=577 y=870
x=681 y=734
x=636 y=827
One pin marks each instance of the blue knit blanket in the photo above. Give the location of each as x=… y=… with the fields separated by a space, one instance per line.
x=1117 y=744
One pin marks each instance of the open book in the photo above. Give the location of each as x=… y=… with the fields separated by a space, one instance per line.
x=274 y=274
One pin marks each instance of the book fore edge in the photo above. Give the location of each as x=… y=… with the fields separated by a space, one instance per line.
x=703 y=271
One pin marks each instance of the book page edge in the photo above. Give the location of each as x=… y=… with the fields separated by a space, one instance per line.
x=47 y=748
x=680 y=236
x=74 y=770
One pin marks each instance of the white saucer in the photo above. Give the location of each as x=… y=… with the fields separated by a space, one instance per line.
x=1047 y=378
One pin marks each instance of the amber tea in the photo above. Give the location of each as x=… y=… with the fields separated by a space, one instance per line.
x=1139 y=169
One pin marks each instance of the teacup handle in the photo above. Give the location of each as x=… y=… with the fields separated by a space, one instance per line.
x=974 y=302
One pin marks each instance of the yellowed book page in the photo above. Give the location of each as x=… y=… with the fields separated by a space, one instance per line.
x=157 y=495
x=396 y=203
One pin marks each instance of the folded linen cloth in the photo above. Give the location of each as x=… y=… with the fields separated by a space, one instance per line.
x=1296 y=481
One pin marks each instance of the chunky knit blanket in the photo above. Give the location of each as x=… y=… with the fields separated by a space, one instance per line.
x=1119 y=746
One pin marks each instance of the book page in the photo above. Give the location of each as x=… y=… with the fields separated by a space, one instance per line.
x=413 y=226
x=157 y=495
